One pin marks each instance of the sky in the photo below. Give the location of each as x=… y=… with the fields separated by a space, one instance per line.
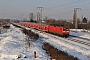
x=57 y=9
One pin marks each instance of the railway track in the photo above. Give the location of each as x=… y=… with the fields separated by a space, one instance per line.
x=84 y=41
x=78 y=41
x=79 y=37
x=71 y=39
x=68 y=39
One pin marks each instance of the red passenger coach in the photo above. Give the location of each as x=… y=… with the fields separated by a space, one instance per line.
x=36 y=26
x=28 y=24
x=43 y=27
x=51 y=29
x=20 y=23
x=59 y=30
x=47 y=28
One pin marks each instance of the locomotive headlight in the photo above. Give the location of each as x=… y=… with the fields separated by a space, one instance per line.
x=64 y=31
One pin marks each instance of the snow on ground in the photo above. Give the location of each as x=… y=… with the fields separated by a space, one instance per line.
x=12 y=45
x=78 y=32
x=64 y=45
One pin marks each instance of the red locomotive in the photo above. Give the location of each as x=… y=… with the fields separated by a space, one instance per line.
x=63 y=31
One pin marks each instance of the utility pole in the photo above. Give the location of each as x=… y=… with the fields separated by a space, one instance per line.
x=75 y=17
x=38 y=16
x=40 y=13
x=31 y=17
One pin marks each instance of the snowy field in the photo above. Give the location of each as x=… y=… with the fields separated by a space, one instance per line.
x=12 y=45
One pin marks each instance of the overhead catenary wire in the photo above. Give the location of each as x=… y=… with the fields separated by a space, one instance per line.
x=66 y=4
x=71 y=10
x=77 y=6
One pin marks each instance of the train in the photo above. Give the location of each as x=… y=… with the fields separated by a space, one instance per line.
x=58 y=30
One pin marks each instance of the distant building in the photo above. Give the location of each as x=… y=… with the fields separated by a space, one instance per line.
x=84 y=20
x=84 y=23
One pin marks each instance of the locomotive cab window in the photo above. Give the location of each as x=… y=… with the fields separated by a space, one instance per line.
x=65 y=29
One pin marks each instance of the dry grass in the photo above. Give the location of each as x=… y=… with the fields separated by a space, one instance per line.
x=57 y=54
x=30 y=33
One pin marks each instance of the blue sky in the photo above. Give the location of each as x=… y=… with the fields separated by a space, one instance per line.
x=20 y=9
